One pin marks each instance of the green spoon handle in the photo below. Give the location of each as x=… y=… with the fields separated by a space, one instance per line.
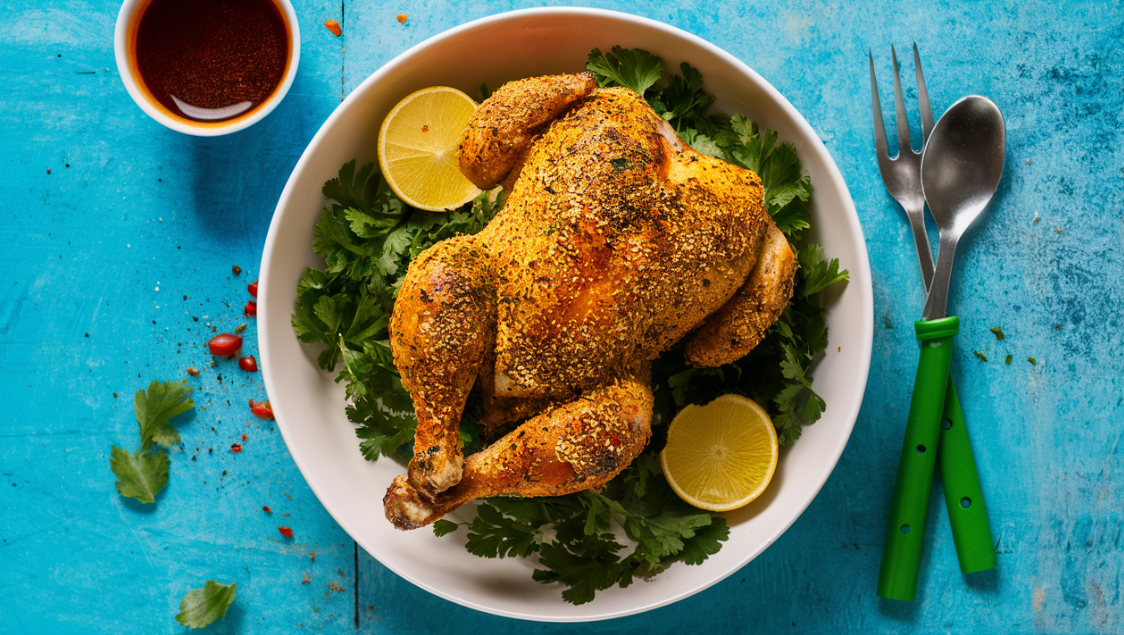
x=962 y=493
x=905 y=531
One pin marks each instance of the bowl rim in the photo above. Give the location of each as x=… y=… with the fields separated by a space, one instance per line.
x=860 y=270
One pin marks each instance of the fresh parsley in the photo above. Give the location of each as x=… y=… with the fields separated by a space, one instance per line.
x=585 y=553
x=201 y=607
x=142 y=474
x=635 y=526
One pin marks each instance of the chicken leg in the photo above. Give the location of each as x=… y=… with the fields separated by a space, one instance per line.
x=443 y=325
x=576 y=446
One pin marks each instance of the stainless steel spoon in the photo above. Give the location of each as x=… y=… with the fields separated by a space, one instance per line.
x=960 y=169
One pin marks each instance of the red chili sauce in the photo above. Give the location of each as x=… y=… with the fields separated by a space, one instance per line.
x=211 y=60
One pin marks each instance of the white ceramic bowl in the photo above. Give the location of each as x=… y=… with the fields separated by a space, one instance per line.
x=310 y=407
x=125 y=32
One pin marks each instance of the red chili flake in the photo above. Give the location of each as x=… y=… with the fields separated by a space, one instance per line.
x=262 y=409
x=253 y=288
x=285 y=531
x=235 y=447
x=251 y=308
x=402 y=18
x=248 y=364
x=193 y=371
x=267 y=510
x=225 y=344
x=243 y=436
x=236 y=269
x=614 y=439
x=334 y=27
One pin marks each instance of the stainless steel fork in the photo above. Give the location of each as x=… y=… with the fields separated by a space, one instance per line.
x=902 y=177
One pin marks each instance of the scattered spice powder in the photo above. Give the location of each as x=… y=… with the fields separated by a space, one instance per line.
x=285 y=531
x=402 y=18
x=235 y=447
x=334 y=27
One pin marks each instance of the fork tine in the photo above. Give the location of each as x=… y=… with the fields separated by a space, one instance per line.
x=904 y=144
x=922 y=98
x=879 y=124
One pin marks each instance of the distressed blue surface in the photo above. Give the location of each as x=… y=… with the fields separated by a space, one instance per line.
x=132 y=234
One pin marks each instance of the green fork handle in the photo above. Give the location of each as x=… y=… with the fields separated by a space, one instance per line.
x=962 y=493
x=905 y=531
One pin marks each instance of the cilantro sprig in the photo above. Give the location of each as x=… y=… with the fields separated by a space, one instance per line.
x=143 y=473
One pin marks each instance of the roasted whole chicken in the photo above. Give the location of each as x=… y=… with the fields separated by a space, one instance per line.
x=616 y=241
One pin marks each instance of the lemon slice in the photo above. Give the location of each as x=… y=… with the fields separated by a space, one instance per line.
x=722 y=455
x=418 y=149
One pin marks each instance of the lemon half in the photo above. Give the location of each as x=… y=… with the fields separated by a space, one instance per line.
x=722 y=455
x=418 y=149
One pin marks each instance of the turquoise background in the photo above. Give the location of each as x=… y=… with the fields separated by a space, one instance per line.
x=118 y=233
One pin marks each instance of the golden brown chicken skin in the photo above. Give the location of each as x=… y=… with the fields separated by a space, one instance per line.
x=617 y=240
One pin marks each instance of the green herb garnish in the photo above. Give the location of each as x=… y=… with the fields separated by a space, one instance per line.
x=200 y=607
x=142 y=474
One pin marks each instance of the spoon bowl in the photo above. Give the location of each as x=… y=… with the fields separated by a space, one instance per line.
x=963 y=162
x=960 y=169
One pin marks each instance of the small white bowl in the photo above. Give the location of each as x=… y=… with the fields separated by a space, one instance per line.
x=309 y=405
x=125 y=32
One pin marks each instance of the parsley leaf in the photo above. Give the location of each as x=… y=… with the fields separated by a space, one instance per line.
x=442 y=527
x=818 y=272
x=140 y=475
x=200 y=607
x=636 y=69
x=494 y=535
x=156 y=407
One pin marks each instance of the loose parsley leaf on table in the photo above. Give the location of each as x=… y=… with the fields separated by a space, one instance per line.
x=142 y=474
x=201 y=607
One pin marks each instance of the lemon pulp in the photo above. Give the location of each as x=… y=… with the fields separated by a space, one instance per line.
x=722 y=455
x=418 y=149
